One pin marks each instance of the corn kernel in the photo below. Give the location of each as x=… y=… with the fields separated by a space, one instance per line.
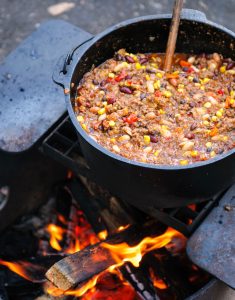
x=222 y=69
x=206 y=123
x=181 y=86
x=157 y=85
x=104 y=103
x=202 y=87
x=212 y=154
x=84 y=126
x=225 y=138
x=232 y=93
x=101 y=111
x=207 y=105
x=219 y=114
x=156 y=153
x=231 y=101
x=205 y=80
x=146 y=139
x=159 y=75
x=180 y=90
x=190 y=78
x=112 y=123
x=183 y=162
x=194 y=153
x=161 y=111
x=113 y=140
x=138 y=66
x=208 y=145
x=167 y=94
x=214 y=119
x=111 y=75
x=176 y=72
x=134 y=57
x=197 y=84
x=80 y=119
x=147 y=77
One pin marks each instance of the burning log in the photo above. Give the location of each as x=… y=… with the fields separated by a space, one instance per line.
x=80 y=266
x=84 y=264
x=114 y=213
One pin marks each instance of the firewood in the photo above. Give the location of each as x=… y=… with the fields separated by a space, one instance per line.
x=82 y=265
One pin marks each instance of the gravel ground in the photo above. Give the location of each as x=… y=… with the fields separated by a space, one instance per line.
x=19 y=18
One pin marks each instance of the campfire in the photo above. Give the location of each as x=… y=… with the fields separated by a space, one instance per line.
x=103 y=261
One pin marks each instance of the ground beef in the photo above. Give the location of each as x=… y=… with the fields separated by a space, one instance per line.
x=133 y=108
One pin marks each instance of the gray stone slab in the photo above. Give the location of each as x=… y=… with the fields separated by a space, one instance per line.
x=30 y=102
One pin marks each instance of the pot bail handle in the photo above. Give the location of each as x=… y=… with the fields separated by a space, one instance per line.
x=61 y=67
x=193 y=14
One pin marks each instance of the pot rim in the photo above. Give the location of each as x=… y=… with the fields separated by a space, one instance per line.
x=190 y=15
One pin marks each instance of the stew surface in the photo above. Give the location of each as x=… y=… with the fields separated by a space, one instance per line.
x=133 y=108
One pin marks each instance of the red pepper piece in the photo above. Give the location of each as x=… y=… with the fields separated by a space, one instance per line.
x=120 y=77
x=132 y=118
x=220 y=92
x=109 y=80
x=190 y=70
x=184 y=63
x=158 y=94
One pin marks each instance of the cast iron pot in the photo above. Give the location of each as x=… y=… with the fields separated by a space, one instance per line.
x=145 y=185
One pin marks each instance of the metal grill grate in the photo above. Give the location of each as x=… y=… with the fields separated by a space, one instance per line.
x=62 y=145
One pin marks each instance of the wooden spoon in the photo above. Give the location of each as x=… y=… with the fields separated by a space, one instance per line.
x=170 y=49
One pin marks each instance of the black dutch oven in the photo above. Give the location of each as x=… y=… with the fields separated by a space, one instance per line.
x=145 y=185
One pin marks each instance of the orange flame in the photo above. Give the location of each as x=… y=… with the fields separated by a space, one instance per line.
x=56 y=292
x=157 y=282
x=21 y=268
x=102 y=235
x=124 y=253
x=121 y=228
x=56 y=236
x=62 y=219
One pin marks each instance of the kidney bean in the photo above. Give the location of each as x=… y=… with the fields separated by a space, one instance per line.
x=103 y=83
x=128 y=77
x=153 y=139
x=95 y=82
x=111 y=100
x=125 y=90
x=143 y=60
x=129 y=59
x=182 y=101
x=151 y=71
x=193 y=126
x=195 y=80
x=192 y=104
x=190 y=136
x=230 y=65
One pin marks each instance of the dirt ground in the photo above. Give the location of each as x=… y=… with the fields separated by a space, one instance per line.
x=18 y=18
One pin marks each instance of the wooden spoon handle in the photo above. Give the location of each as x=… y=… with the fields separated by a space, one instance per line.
x=170 y=49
